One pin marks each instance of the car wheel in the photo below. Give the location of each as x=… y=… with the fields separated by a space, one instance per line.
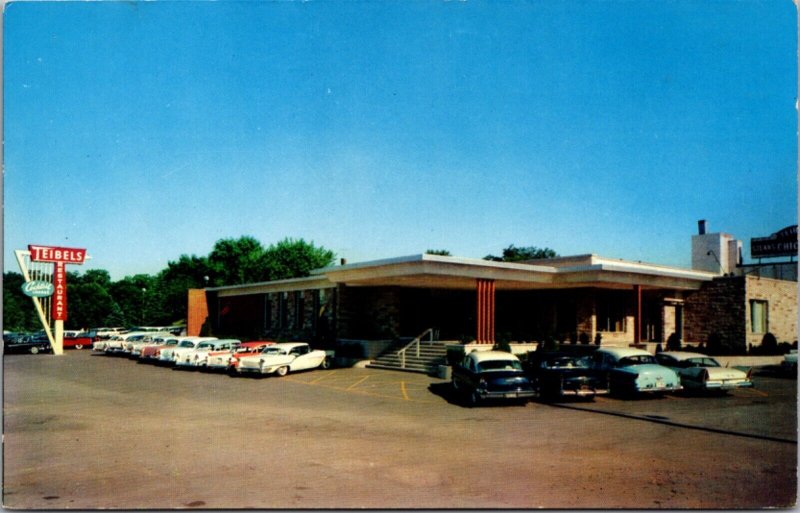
x=34 y=350
x=79 y=346
x=326 y=363
x=282 y=371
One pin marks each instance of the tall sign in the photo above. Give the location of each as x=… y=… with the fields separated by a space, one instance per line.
x=45 y=273
x=782 y=243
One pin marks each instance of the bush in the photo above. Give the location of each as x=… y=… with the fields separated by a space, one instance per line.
x=584 y=338
x=502 y=346
x=549 y=344
x=598 y=339
x=673 y=342
x=769 y=344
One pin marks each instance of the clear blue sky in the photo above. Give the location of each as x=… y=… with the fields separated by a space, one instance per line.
x=146 y=130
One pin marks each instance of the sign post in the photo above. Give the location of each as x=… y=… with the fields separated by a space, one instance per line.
x=44 y=270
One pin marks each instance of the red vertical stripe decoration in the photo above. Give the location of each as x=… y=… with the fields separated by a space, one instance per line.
x=485 y=311
x=637 y=321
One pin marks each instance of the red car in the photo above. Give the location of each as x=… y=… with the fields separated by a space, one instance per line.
x=229 y=360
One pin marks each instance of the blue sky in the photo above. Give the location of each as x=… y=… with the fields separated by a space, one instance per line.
x=146 y=130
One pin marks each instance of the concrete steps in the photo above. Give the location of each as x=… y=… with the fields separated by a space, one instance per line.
x=431 y=355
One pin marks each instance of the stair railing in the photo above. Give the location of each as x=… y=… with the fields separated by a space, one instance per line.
x=416 y=342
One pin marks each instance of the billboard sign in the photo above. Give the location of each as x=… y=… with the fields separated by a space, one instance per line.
x=782 y=243
x=57 y=254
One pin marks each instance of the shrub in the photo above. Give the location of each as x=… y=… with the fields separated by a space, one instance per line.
x=549 y=344
x=573 y=338
x=769 y=344
x=502 y=345
x=598 y=339
x=673 y=342
x=584 y=338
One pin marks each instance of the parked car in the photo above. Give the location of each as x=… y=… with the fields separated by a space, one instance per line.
x=283 y=358
x=789 y=362
x=34 y=344
x=78 y=339
x=152 y=352
x=556 y=375
x=700 y=372
x=198 y=357
x=632 y=371
x=133 y=346
x=229 y=360
x=169 y=355
x=106 y=333
x=117 y=343
x=482 y=375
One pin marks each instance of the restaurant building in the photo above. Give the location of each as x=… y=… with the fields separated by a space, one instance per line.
x=583 y=298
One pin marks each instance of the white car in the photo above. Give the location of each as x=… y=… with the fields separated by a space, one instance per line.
x=136 y=343
x=229 y=360
x=169 y=355
x=117 y=343
x=282 y=358
x=135 y=347
x=198 y=357
x=700 y=372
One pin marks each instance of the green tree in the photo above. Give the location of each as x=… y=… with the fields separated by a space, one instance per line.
x=237 y=261
x=442 y=252
x=515 y=254
x=19 y=313
x=292 y=258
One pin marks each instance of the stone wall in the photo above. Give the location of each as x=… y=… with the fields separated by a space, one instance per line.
x=781 y=298
x=718 y=307
x=368 y=312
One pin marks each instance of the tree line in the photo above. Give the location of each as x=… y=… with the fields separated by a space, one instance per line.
x=94 y=299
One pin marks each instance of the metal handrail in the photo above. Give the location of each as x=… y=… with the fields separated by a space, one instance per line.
x=416 y=341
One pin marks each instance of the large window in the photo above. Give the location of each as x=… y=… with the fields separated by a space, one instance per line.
x=611 y=313
x=759 y=316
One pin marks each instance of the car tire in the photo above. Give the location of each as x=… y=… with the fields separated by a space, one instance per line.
x=79 y=346
x=34 y=350
x=326 y=363
x=282 y=371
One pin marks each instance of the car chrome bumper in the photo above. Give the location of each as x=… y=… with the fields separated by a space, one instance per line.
x=511 y=394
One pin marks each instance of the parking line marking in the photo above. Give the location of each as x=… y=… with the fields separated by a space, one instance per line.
x=403 y=389
x=322 y=377
x=357 y=383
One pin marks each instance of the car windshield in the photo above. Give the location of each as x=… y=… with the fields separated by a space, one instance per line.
x=638 y=359
x=701 y=362
x=271 y=350
x=566 y=362
x=186 y=343
x=205 y=345
x=492 y=365
x=172 y=342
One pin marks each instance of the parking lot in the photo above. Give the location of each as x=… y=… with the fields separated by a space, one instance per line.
x=91 y=431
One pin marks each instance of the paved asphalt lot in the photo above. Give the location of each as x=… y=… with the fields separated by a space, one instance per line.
x=86 y=431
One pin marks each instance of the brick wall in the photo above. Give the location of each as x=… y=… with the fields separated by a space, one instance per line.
x=781 y=299
x=197 y=311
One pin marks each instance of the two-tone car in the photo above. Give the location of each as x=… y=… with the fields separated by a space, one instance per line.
x=283 y=358
x=170 y=354
x=229 y=360
x=117 y=343
x=700 y=372
x=133 y=347
x=483 y=375
x=198 y=357
x=151 y=352
x=633 y=371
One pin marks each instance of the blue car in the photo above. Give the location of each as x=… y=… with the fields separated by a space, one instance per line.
x=633 y=371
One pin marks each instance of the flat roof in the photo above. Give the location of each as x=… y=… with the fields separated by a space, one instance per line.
x=450 y=272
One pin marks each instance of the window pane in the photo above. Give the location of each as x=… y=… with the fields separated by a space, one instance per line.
x=758 y=316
